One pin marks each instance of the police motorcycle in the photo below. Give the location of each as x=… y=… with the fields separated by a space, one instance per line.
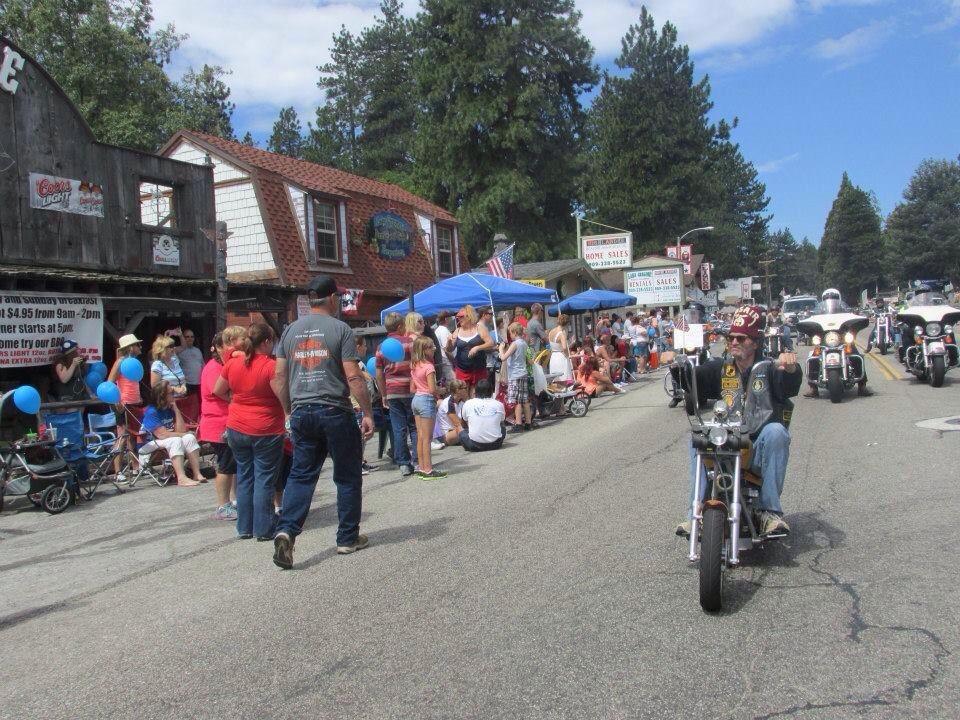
x=725 y=518
x=929 y=346
x=834 y=363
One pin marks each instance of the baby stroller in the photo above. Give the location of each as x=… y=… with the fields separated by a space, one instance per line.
x=554 y=395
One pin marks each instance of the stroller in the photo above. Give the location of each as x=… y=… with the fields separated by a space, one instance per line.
x=554 y=395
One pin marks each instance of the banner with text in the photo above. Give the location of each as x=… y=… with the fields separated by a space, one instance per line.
x=654 y=287
x=48 y=192
x=705 y=276
x=33 y=325
x=603 y=252
x=686 y=253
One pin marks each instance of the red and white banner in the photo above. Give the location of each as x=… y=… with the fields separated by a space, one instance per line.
x=705 y=276
x=48 y=192
x=686 y=253
x=350 y=301
x=33 y=326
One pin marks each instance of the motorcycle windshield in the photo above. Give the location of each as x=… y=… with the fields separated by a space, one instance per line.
x=930 y=298
x=831 y=307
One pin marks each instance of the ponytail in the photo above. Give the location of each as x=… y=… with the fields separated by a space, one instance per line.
x=257 y=334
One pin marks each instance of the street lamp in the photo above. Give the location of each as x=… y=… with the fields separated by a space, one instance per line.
x=688 y=232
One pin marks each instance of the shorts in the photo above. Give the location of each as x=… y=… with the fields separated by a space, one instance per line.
x=642 y=350
x=424 y=406
x=471 y=377
x=226 y=463
x=517 y=392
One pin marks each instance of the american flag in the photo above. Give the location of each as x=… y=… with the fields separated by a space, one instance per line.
x=682 y=324
x=501 y=264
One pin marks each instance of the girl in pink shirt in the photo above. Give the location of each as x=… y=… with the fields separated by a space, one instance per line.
x=423 y=383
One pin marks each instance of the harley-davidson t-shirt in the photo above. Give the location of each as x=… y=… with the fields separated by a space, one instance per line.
x=315 y=347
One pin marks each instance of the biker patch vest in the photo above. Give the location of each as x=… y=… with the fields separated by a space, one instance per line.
x=754 y=406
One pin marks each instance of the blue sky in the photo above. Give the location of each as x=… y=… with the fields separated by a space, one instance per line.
x=870 y=87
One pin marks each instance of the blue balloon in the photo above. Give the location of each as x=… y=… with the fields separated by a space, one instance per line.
x=100 y=369
x=27 y=399
x=652 y=332
x=108 y=392
x=93 y=379
x=372 y=366
x=392 y=349
x=131 y=369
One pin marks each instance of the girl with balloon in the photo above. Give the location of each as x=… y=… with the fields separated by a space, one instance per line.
x=127 y=372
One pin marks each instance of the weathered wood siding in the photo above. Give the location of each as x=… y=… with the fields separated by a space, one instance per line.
x=41 y=132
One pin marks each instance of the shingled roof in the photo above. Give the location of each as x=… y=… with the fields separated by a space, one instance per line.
x=366 y=269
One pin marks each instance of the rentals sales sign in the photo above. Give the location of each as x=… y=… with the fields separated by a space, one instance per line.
x=654 y=287
x=33 y=325
x=603 y=252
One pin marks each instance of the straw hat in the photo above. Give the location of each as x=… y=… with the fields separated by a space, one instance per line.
x=128 y=340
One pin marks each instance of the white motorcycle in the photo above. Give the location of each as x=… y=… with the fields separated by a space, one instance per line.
x=934 y=348
x=834 y=363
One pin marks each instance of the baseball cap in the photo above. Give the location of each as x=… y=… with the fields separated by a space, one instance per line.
x=68 y=346
x=322 y=286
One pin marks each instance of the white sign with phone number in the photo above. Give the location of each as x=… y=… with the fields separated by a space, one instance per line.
x=603 y=252
x=654 y=287
x=33 y=325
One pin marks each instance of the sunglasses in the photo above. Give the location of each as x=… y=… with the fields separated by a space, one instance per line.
x=737 y=338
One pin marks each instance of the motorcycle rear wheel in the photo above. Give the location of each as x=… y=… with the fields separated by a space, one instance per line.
x=711 y=558
x=835 y=385
x=938 y=370
x=883 y=348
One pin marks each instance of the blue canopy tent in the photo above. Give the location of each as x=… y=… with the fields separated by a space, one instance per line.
x=475 y=289
x=591 y=301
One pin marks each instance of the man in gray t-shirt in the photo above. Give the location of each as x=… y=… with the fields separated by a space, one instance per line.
x=317 y=371
x=315 y=347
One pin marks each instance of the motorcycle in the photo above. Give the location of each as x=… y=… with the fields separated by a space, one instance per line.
x=724 y=517
x=834 y=363
x=674 y=390
x=882 y=336
x=934 y=348
x=773 y=341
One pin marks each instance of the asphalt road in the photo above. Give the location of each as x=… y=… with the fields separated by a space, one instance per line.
x=541 y=581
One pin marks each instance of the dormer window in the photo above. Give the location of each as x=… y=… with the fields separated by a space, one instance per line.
x=444 y=250
x=325 y=245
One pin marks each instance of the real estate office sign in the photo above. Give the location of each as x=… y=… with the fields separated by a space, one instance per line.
x=603 y=252
x=661 y=286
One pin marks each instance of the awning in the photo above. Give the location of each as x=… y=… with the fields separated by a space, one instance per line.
x=591 y=301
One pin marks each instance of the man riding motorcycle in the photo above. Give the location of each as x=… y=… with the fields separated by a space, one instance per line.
x=760 y=393
x=879 y=308
x=831 y=303
x=774 y=319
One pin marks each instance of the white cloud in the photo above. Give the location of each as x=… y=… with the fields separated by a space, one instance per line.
x=856 y=45
x=719 y=63
x=704 y=25
x=772 y=166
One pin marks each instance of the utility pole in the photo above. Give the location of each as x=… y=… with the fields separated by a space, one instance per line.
x=767 y=275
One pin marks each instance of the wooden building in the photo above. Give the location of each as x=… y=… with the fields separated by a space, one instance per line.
x=291 y=220
x=120 y=232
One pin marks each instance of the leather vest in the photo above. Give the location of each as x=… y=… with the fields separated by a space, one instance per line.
x=754 y=405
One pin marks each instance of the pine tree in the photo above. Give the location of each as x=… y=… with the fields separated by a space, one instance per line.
x=335 y=139
x=500 y=137
x=389 y=113
x=248 y=140
x=851 y=252
x=203 y=103
x=806 y=267
x=287 y=135
x=923 y=232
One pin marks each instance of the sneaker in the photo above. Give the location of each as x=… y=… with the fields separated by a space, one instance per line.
x=369 y=467
x=437 y=445
x=359 y=544
x=406 y=470
x=225 y=512
x=772 y=524
x=432 y=475
x=283 y=551
x=683 y=529
x=516 y=429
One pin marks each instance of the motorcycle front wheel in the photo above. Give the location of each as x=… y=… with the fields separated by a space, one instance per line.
x=938 y=369
x=711 y=558
x=883 y=348
x=835 y=385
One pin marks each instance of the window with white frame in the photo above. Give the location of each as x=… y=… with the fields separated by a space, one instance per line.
x=325 y=231
x=445 y=250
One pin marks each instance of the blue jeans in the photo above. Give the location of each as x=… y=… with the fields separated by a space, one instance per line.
x=787 y=339
x=402 y=424
x=771 y=451
x=317 y=430
x=258 y=461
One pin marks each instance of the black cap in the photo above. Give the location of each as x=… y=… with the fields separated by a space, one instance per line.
x=322 y=286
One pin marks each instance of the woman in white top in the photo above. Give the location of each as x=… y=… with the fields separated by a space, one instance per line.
x=559 y=350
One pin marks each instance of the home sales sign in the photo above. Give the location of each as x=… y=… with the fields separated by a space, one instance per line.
x=603 y=252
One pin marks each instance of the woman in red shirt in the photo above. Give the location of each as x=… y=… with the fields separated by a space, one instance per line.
x=255 y=429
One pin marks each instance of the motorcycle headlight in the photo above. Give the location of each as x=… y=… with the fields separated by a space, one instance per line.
x=816 y=339
x=917 y=330
x=718 y=436
x=933 y=329
x=848 y=338
x=832 y=338
x=948 y=329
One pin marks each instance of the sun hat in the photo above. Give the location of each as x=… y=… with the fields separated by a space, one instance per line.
x=128 y=340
